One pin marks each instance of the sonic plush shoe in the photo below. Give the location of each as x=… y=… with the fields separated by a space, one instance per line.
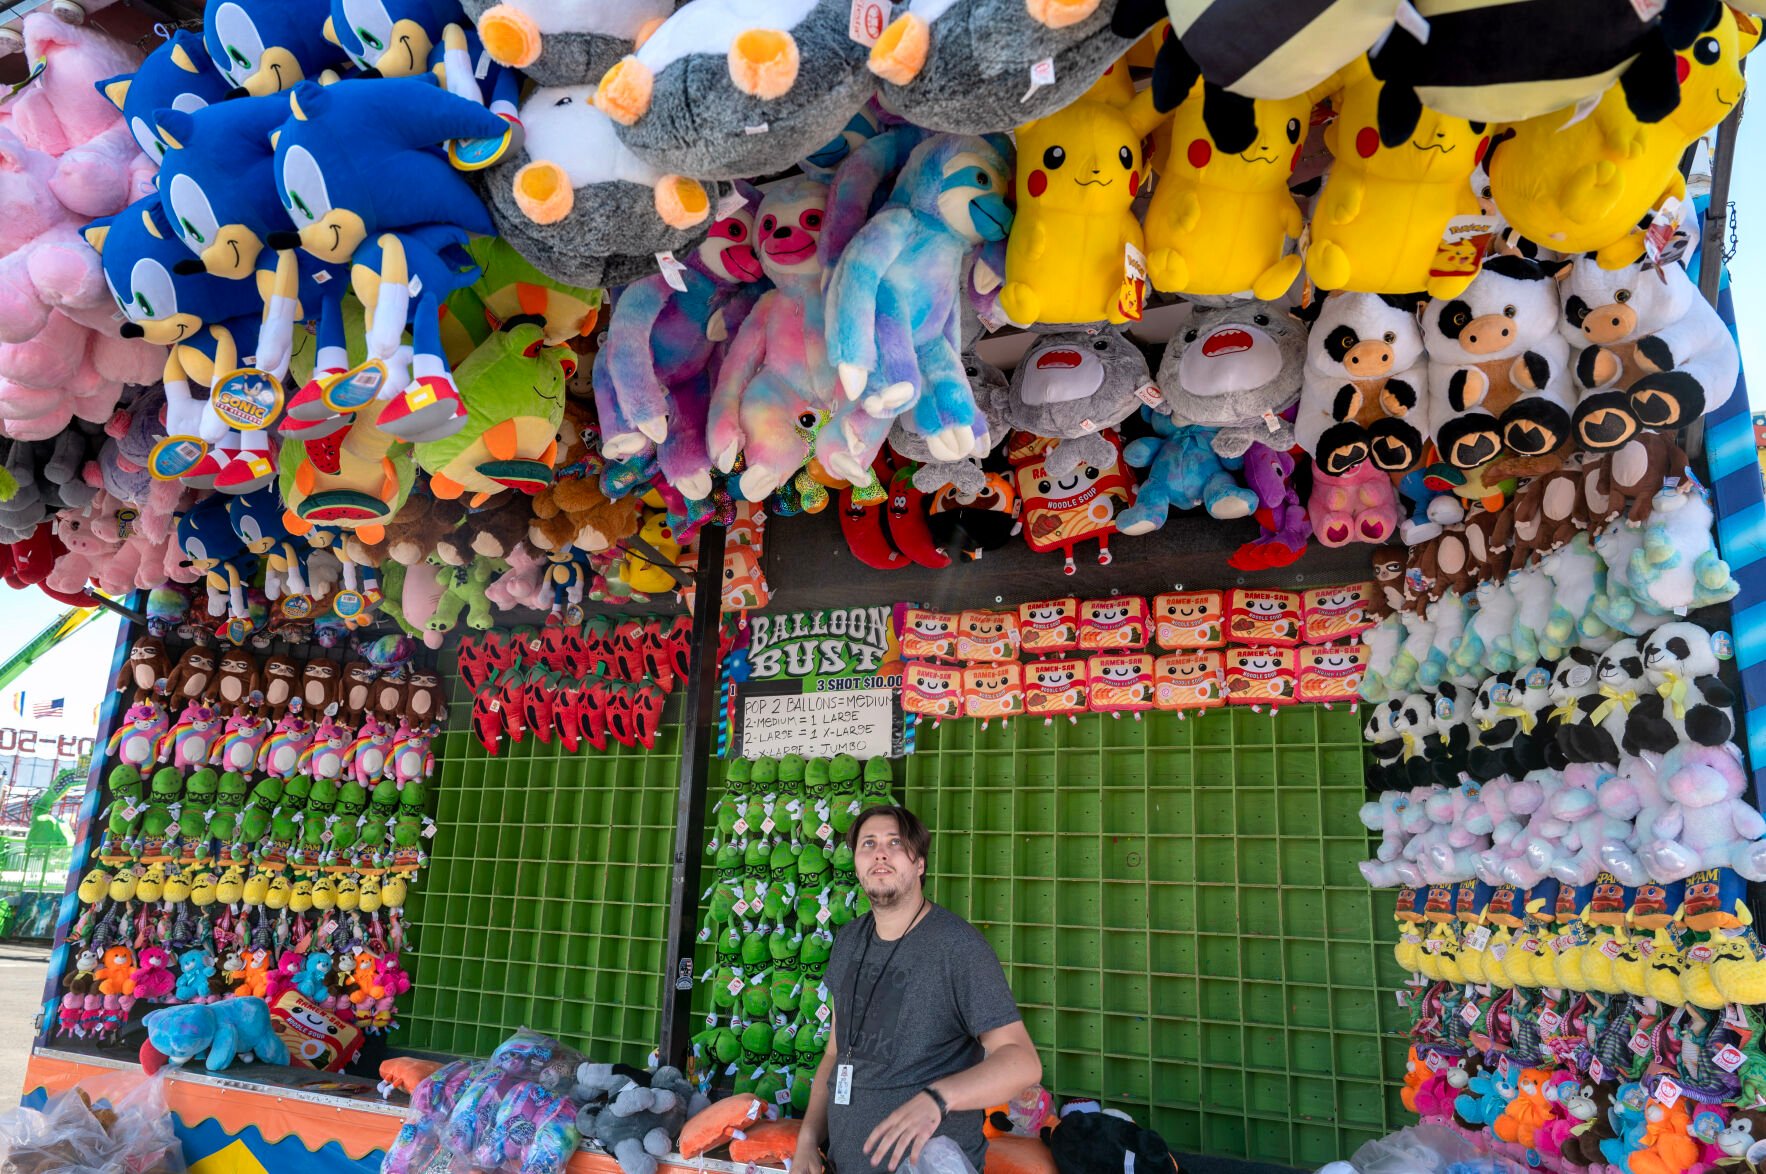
x=429 y=409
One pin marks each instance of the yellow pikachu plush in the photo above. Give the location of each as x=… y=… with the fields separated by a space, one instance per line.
x=1222 y=215
x=1586 y=186
x=1079 y=170
x=1395 y=184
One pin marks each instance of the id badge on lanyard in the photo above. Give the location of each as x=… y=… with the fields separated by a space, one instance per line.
x=843 y=1084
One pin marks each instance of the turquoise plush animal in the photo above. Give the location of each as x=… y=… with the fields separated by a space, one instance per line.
x=1183 y=473
x=226 y=1030
x=894 y=301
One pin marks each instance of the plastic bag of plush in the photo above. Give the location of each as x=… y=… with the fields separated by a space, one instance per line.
x=1420 y=1149
x=941 y=1155
x=126 y=1129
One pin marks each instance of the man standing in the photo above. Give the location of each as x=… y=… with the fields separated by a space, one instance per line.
x=926 y=1033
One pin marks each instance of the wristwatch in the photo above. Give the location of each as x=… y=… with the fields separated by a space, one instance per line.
x=938 y=1099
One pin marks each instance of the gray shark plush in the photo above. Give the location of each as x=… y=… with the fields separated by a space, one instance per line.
x=572 y=196
x=726 y=89
x=1070 y=386
x=966 y=65
x=1236 y=366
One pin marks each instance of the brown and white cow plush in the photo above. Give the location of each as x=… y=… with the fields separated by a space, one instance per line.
x=1364 y=394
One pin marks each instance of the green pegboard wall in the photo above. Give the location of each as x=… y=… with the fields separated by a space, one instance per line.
x=545 y=901
x=1176 y=904
x=1179 y=912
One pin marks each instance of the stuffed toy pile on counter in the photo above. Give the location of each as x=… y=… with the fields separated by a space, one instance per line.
x=476 y=307
x=265 y=822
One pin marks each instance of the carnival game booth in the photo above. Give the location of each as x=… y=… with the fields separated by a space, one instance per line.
x=1209 y=469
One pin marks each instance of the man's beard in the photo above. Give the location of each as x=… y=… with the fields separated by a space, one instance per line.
x=903 y=889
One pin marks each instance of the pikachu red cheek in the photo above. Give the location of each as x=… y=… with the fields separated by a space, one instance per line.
x=1036 y=183
x=1199 y=153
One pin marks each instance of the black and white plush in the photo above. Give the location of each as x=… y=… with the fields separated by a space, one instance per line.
x=1572 y=686
x=1386 y=771
x=1413 y=720
x=1449 y=737
x=1600 y=728
x=1682 y=699
x=1510 y=711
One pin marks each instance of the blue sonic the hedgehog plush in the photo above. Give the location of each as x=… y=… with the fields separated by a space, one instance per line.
x=358 y=169
x=199 y=318
x=407 y=38
x=217 y=185
x=176 y=76
x=262 y=46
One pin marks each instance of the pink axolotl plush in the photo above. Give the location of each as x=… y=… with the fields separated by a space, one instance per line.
x=144 y=727
x=365 y=759
x=325 y=756
x=240 y=744
x=191 y=740
x=281 y=754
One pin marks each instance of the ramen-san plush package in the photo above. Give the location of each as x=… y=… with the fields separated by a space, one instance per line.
x=1337 y=613
x=1106 y=624
x=316 y=1038
x=1053 y=688
x=1121 y=682
x=928 y=635
x=1260 y=676
x=1048 y=628
x=932 y=690
x=1259 y=615
x=993 y=690
x=1189 y=680
x=1331 y=672
x=1062 y=512
x=987 y=636
x=1189 y=619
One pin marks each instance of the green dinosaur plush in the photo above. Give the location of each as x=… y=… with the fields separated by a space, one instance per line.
x=461 y=589
x=513 y=387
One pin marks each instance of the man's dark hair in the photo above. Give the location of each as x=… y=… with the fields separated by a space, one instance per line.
x=914 y=836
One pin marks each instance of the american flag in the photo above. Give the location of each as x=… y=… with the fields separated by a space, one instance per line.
x=49 y=708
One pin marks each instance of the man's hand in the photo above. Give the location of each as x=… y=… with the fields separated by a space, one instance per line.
x=903 y=1133
x=808 y=1159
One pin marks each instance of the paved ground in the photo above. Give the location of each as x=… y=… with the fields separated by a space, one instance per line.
x=21 y=994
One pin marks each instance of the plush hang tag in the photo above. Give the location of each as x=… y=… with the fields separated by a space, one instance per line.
x=1042 y=75
x=671 y=270
x=932 y=690
x=1118 y=623
x=1120 y=682
x=1053 y=688
x=929 y=635
x=1185 y=620
x=987 y=635
x=1261 y=676
x=865 y=21
x=993 y=690
x=1263 y=616
x=1337 y=613
x=1189 y=680
x=1048 y=628
x=1330 y=673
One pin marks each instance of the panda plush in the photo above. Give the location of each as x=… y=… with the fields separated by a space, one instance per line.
x=1682 y=698
x=1385 y=772
x=1449 y=738
x=1573 y=694
x=1413 y=720
x=1595 y=735
x=1488 y=757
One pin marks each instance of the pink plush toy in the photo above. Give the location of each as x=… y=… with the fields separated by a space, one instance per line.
x=154 y=980
x=1571 y=1106
x=1634 y=798
x=1435 y=1096
x=1707 y=823
x=1359 y=506
x=524 y=584
x=64 y=108
x=1578 y=804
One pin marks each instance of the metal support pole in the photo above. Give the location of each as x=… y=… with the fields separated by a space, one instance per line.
x=698 y=746
x=90 y=830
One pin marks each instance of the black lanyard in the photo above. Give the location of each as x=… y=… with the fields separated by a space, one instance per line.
x=858 y=969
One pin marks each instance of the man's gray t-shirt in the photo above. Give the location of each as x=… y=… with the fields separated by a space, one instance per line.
x=942 y=989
